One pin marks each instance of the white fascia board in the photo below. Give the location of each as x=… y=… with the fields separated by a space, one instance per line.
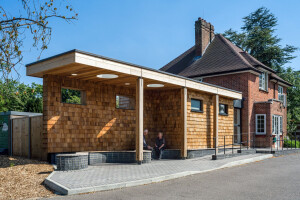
x=101 y=63
x=50 y=64
x=163 y=77
x=107 y=64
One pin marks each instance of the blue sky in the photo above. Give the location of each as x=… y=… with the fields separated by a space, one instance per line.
x=151 y=33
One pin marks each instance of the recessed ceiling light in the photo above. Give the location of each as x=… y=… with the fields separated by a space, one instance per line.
x=107 y=76
x=74 y=74
x=155 y=85
x=127 y=83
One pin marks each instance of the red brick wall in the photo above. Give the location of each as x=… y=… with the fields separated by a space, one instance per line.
x=248 y=84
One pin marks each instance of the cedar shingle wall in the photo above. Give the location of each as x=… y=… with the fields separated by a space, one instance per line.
x=200 y=125
x=162 y=113
x=98 y=125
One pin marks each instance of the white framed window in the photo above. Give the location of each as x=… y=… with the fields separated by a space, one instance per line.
x=263 y=81
x=281 y=96
x=260 y=122
x=277 y=124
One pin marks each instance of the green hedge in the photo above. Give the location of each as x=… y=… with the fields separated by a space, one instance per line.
x=291 y=143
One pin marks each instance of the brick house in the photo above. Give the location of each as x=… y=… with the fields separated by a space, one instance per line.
x=262 y=113
x=116 y=100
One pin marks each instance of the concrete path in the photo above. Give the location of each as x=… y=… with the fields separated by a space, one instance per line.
x=113 y=176
x=272 y=179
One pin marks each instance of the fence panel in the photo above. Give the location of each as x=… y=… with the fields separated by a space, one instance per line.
x=20 y=136
x=36 y=137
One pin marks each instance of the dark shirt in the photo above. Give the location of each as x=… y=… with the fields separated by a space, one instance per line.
x=144 y=142
x=160 y=142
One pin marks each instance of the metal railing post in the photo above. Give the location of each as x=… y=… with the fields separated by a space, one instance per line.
x=271 y=143
x=253 y=136
x=247 y=142
x=224 y=145
x=215 y=146
x=232 y=143
x=241 y=146
x=277 y=143
x=295 y=140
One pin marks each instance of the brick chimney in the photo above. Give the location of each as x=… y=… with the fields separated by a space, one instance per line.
x=204 y=33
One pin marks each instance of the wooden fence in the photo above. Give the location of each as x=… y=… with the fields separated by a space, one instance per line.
x=26 y=137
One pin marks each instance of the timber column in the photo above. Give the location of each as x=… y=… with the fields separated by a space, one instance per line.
x=139 y=119
x=215 y=119
x=183 y=119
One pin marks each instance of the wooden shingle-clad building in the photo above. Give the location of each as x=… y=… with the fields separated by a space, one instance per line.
x=94 y=103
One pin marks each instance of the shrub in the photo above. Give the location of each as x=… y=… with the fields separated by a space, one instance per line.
x=291 y=143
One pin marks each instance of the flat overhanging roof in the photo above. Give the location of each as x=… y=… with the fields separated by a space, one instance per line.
x=87 y=66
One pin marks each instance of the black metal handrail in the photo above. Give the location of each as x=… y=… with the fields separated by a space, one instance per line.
x=233 y=143
x=282 y=142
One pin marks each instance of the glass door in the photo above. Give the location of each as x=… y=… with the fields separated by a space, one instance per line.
x=277 y=129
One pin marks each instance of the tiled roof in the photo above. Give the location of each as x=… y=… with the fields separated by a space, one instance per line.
x=276 y=77
x=221 y=56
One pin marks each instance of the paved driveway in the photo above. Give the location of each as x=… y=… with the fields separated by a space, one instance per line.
x=275 y=178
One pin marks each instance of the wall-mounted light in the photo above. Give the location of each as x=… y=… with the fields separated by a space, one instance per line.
x=74 y=74
x=127 y=83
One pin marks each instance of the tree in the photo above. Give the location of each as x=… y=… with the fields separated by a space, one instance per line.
x=259 y=39
x=293 y=98
x=71 y=96
x=33 y=20
x=20 y=97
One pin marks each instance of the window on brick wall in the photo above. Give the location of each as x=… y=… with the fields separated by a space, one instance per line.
x=263 y=81
x=196 y=105
x=281 y=96
x=72 y=96
x=223 y=109
x=125 y=102
x=260 y=122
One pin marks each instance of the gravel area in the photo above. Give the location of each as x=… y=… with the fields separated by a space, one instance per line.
x=23 y=178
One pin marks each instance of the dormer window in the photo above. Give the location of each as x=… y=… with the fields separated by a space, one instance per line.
x=263 y=81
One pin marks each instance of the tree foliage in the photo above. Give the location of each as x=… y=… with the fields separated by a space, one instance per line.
x=258 y=37
x=71 y=96
x=33 y=20
x=15 y=96
x=293 y=97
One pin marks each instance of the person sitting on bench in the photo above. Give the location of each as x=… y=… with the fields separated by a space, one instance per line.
x=145 y=145
x=160 y=145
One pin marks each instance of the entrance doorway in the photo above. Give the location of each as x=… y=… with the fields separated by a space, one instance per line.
x=277 y=129
x=237 y=125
